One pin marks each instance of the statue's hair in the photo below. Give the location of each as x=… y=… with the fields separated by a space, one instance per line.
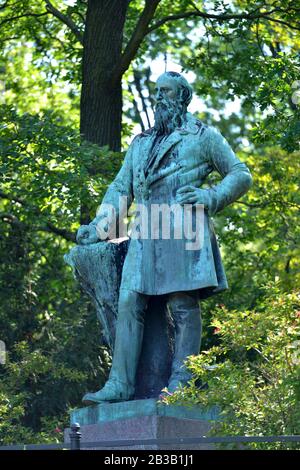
x=185 y=89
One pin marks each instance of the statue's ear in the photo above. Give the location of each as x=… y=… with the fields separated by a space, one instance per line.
x=185 y=95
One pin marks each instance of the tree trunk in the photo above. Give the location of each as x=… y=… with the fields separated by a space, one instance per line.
x=101 y=104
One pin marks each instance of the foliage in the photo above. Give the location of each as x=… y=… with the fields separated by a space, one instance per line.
x=51 y=181
x=51 y=363
x=45 y=165
x=259 y=235
x=254 y=373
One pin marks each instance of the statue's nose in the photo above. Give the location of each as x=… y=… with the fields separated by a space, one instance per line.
x=158 y=96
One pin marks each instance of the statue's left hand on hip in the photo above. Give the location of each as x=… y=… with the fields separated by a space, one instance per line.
x=192 y=195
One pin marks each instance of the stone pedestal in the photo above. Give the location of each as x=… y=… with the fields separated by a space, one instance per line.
x=143 y=419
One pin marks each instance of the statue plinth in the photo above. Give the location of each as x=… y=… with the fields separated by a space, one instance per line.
x=143 y=419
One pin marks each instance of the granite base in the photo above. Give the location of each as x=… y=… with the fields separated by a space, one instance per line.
x=143 y=419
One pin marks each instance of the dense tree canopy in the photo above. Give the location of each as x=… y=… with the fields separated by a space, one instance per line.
x=75 y=79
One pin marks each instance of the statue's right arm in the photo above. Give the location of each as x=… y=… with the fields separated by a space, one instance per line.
x=115 y=204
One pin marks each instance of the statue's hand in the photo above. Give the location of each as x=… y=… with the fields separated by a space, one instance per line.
x=192 y=195
x=86 y=235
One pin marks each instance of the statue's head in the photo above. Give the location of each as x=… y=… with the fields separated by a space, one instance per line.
x=176 y=87
x=173 y=95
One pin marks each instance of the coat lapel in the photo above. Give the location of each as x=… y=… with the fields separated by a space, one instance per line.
x=172 y=140
x=143 y=153
x=145 y=144
x=189 y=127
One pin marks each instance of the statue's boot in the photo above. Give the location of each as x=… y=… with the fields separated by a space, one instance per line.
x=188 y=327
x=128 y=344
x=111 y=392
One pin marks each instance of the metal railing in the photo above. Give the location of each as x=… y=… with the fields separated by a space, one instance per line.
x=76 y=444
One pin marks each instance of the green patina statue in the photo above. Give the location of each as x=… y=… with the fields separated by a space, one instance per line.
x=166 y=167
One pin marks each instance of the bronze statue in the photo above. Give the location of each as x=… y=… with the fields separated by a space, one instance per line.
x=166 y=166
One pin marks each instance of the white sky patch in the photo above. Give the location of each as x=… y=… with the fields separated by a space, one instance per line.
x=69 y=3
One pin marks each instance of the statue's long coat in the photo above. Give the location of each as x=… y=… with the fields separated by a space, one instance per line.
x=185 y=157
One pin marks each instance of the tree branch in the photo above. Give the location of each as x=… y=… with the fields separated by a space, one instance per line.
x=49 y=227
x=254 y=205
x=7 y=4
x=54 y=38
x=70 y=236
x=80 y=16
x=222 y=17
x=148 y=85
x=283 y=22
x=12 y=18
x=64 y=19
x=11 y=198
x=259 y=43
x=140 y=31
x=137 y=83
x=9 y=38
x=137 y=113
x=266 y=203
x=11 y=219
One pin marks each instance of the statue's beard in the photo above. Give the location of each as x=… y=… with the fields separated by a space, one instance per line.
x=168 y=116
